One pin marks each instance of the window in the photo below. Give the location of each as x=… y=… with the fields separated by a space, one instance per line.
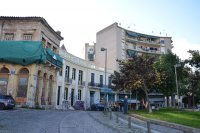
x=54 y=49
x=23 y=83
x=66 y=94
x=79 y=94
x=28 y=37
x=67 y=72
x=43 y=43
x=80 y=76
x=49 y=45
x=9 y=36
x=73 y=73
x=92 y=79
x=109 y=81
x=4 y=75
x=101 y=80
x=162 y=42
x=60 y=72
x=58 y=95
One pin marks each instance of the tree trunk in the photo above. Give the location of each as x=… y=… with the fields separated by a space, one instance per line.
x=173 y=100
x=193 y=101
x=167 y=101
x=189 y=102
x=147 y=96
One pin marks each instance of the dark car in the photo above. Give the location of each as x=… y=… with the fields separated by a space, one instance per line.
x=6 y=102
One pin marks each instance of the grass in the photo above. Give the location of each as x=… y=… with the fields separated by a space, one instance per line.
x=182 y=117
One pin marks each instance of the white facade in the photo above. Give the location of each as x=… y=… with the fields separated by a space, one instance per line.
x=75 y=87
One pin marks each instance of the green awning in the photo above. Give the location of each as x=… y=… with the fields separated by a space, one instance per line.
x=54 y=58
x=22 y=52
x=131 y=53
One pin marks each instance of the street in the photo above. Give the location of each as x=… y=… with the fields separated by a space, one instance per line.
x=53 y=121
x=58 y=121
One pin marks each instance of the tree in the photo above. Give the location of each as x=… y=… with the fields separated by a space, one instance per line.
x=165 y=70
x=194 y=60
x=138 y=73
x=192 y=89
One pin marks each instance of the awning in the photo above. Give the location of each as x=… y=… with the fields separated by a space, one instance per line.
x=133 y=34
x=106 y=90
x=54 y=58
x=131 y=53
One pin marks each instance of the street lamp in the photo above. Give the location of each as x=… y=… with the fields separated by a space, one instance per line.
x=104 y=49
x=175 y=66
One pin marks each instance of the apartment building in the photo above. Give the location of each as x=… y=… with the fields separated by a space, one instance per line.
x=122 y=44
x=29 y=60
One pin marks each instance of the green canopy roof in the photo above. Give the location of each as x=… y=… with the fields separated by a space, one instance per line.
x=22 y=52
x=27 y=52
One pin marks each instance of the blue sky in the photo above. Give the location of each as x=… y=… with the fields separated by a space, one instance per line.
x=79 y=20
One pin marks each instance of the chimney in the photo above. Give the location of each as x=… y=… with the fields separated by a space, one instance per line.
x=58 y=32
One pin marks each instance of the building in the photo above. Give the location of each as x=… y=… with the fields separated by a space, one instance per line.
x=90 y=52
x=122 y=44
x=81 y=80
x=29 y=60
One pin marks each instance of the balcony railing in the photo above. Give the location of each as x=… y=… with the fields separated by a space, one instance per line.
x=81 y=83
x=129 y=39
x=68 y=80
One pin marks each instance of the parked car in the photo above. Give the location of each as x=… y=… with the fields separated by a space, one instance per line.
x=6 y=102
x=79 y=105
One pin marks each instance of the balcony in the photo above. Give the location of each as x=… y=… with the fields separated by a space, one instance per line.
x=81 y=83
x=68 y=81
x=143 y=41
x=91 y=84
x=55 y=59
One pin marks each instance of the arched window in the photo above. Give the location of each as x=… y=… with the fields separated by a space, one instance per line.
x=4 y=74
x=23 y=83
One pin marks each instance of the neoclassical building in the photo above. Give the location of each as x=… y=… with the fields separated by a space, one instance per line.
x=29 y=60
x=81 y=80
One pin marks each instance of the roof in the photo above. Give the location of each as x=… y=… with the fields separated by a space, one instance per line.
x=33 y=18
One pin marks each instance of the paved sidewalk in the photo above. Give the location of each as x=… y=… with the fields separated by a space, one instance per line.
x=81 y=122
x=121 y=126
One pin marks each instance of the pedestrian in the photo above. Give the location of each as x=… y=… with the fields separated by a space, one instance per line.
x=125 y=105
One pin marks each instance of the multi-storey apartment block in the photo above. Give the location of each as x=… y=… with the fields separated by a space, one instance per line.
x=29 y=60
x=122 y=44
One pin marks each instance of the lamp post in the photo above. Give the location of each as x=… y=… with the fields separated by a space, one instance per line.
x=104 y=49
x=175 y=66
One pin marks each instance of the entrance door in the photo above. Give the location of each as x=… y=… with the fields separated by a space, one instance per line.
x=72 y=97
x=91 y=97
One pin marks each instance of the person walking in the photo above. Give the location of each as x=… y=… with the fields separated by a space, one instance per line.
x=126 y=105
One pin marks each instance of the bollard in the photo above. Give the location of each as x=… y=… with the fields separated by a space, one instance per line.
x=117 y=118
x=129 y=122
x=148 y=127
x=110 y=115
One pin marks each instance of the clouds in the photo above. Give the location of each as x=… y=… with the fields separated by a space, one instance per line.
x=182 y=45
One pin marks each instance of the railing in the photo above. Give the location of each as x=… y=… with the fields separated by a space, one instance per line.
x=81 y=83
x=143 y=41
x=68 y=80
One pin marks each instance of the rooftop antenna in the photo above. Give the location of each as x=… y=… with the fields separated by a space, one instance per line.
x=134 y=27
